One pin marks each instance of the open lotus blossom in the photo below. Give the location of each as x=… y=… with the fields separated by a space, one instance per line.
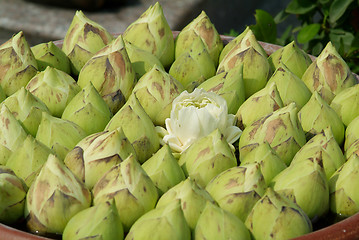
x=195 y=115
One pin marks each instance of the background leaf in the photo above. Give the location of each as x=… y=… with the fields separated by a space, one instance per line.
x=300 y=6
x=337 y=9
x=308 y=32
x=265 y=28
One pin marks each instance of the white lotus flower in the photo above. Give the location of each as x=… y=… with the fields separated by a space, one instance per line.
x=195 y=115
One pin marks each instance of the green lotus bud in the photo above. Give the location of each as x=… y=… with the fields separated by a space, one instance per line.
x=269 y=162
x=131 y=188
x=97 y=222
x=165 y=222
x=54 y=198
x=94 y=155
x=192 y=197
x=111 y=73
x=12 y=134
x=260 y=104
x=138 y=128
x=88 y=110
x=328 y=74
x=228 y=85
x=48 y=54
x=28 y=159
x=352 y=149
x=27 y=109
x=217 y=224
x=58 y=134
x=207 y=157
x=12 y=196
x=2 y=94
x=290 y=87
x=324 y=149
x=294 y=58
x=316 y=115
x=193 y=66
x=200 y=27
x=351 y=133
x=283 y=219
x=55 y=88
x=83 y=39
x=281 y=130
x=237 y=189
x=156 y=91
x=163 y=169
x=152 y=33
x=17 y=63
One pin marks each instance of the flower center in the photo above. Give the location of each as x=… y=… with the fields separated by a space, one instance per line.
x=197 y=103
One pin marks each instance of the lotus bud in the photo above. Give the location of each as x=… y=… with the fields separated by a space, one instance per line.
x=131 y=188
x=228 y=85
x=163 y=169
x=192 y=197
x=94 y=155
x=294 y=58
x=152 y=33
x=165 y=222
x=17 y=64
x=58 y=134
x=97 y=222
x=28 y=159
x=237 y=189
x=83 y=39
x=269 y=162
x=281 y=129
x=12 y=196
x=352 y=149
x=194 y=66
x=328 y=74
x=351 y=133
x=218 y=224
x=138 y=128
x=12 y=134
x=156 y=91
x=111 y=73
x=260 y=104
x=316 y=115
x=324 y=149
x=55 y=88
x=88 y=110
x=284 y=219
x=54 y=198
x=2 y=94
x=27 y=109
x=48 y=54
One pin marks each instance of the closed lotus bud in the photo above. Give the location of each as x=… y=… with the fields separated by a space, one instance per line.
x=58 y=134
x=228 y=85
x=260 y=104
x=111 y=73
x=138 y=128
x=17 y=63
x=165 y=222
x=2 y=94
x=316 y=115
x=94 y=155
x=284 y=219
x=55 y=88
x=281 y=129
x=12 y=196
x=193 y=66
x=218 y=224
x=97 y=222
x=28 y=159
x=130 y=187
x=156 y=91
x=328 y=74
x=351 y=133
x=152 y=33
x=54 y=198
x=48 y=54
x=163 y=169
x=353 y=149
x=192 y=197
x=294 y=58
x=83 y=39
x=88 y=110
x=237 y=189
